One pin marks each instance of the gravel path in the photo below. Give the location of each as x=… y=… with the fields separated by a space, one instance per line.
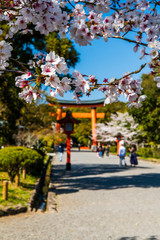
x=96 y=200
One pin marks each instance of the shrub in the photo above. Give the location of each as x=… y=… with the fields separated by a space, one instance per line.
x=49 y=149
x=144 y=152
x=14 y=158
x=39 y=146
x=10 y=161
x=149 y=152
x=113 y=149
x=156 y=152
x=32 y=161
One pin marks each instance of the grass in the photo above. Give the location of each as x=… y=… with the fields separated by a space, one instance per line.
x=16 y=195
x=154 y=160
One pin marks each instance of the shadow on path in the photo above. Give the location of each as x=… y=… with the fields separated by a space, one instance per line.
x=136 y=238
x=91 y=177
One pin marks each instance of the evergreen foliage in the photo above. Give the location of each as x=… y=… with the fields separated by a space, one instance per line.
x=14 y=158
x=83 y=132
x=147 y=152
x=36 y=116
x=62 y=47
x=148 y=116
x=11 y=107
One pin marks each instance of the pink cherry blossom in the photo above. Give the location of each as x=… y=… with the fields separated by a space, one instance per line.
x=48 y=69
x=28 y=94
x=83 y=23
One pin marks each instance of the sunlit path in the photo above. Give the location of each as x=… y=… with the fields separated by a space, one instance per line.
x=96 y=200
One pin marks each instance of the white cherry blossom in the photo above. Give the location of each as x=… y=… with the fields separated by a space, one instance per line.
x=120 y=122
x=157 y=79
x=83 y=22
x=23 y=80
x=154 y=53
x=48 y=69
x=80 y=83
x=52 y=81
x=65 y=83
x=28 y=94
x=132 y=97
x=61 y=66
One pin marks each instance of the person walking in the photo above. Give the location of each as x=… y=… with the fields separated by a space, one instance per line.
x=133 y=156
x=79 y=146
x=97 y=151
x=107 y=150
x=122 y=154
x=60 y=151
x=101 y=152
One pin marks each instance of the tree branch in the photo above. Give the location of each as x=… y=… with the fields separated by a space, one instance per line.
x=71 y=3
x=129 y=40
x=113 y=83
x=13 y=71
x=135 y=72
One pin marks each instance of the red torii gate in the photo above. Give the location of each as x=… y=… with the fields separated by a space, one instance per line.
x=93 y=104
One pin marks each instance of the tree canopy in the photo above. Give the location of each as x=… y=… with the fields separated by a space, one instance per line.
x=148 y=116
x=11 y=106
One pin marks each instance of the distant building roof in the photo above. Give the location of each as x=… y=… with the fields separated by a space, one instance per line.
x=72 y=103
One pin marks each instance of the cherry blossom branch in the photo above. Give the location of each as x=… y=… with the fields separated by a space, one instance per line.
x=96 y=85
x=129 y=40
x=84 y=23
x=134 y=72
x=20 y=63
x=70 y=3
x=12 y=71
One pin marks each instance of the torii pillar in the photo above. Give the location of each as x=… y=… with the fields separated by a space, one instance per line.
x=93 y=117
x=59 y=116
x=119 y=137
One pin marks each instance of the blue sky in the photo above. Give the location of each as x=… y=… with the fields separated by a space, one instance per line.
x=106 y=60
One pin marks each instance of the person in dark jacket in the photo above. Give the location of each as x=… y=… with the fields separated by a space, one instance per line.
x=133 y=156
x=60 y=151
x=107 y=150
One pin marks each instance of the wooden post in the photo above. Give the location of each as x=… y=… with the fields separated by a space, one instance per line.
x=24 y=173
x=17 y=180
x=68 y=164
x=5 y=190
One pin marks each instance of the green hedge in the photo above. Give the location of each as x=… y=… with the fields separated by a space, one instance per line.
x=145 y=152
x=149 y=152
x=113 y=149
x=14 y=158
